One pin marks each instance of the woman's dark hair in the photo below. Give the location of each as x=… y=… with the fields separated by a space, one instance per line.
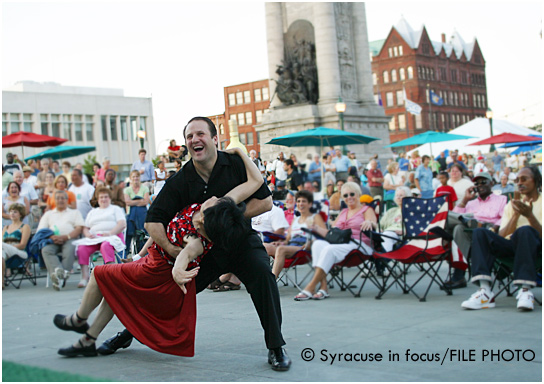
x=98 y=165
x=305 y=195
x=460 y=168
x=425 y=157
x=537 y=176
x=225 y=224
x=178 y=161
x=14 y=182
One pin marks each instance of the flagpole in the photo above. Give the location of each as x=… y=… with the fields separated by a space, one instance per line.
x=430 y=108
x=405 y=117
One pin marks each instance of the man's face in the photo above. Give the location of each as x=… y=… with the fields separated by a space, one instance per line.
x=483 y=185
x=27 y=174
x=76 y=179
x=285 y=167
x=142 y=156
x=316 y=159
x=373 y=164
x=18 y=177
x=525 y=181
x=338 y=153
x=280 y=156
x=61 y=201
x=308 y=186
x=202 y=146
x=9 y=158
x=110 y=177
x=443 y=180
x=426 y=161
x=507 y=171
x=442 y=154
x=504 y=180
x=45 y=165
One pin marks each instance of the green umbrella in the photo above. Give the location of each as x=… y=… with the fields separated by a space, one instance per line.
x=428 y=137
x=320 y=136
x=62 y=152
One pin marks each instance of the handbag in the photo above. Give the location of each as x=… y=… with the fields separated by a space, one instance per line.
x=338 y=236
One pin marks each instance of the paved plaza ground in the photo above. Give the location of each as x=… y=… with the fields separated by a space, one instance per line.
x=230 y=345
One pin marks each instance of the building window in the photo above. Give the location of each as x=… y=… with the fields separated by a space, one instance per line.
x=221 y=129
x=242 y=138
x=249 y=138
x=15 y=125
x=443 y=75
x=392 y=126
x=104 y=125
x=241 y=120
x=395 y=51
x=410 y=72
x=400 y=50
x=232 y=99
x=239 y=98
x=418 y=122
x=67 y=131
x=44 y=124
x=265 y=93
x=374 y=78
x=55 y=125
x=259 y=116
x=389 y=99
x=4 y=124
x=390 y=50
x=400 y=97
x=134 y=127
x=247 y=97
x=425 y=48
x=249 y=118
x=89 y=127
x=385 y=77
x=257 y=94
x=258 y=138
x=402 y=75
x=402 y=121
x=393 y=75
x=124 y=128
x=143 y=126
x=377 y=98
x=453 y=73
x=113 y=128
x=27 y=122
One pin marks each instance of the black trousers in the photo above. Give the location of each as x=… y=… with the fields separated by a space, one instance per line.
x=252 y=266
x=524 y=248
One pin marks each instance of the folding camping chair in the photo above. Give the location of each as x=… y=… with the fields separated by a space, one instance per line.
x=427 y=245
x=298 y=259
x=19 y=267
x=503 y=270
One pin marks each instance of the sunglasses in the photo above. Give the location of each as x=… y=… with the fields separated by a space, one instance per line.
x=480 y=182
x=346 y=195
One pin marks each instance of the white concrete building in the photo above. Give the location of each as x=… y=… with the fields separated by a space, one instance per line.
x=100 y=117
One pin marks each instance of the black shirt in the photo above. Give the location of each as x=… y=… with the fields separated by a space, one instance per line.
x=293 y=181
x=187 y=187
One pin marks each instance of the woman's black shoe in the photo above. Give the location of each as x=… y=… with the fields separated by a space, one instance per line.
x=60 y=322
x=71 y=351
x=278 y=359
x=121 y=340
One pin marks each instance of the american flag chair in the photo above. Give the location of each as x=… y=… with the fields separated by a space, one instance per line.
x=427 y=245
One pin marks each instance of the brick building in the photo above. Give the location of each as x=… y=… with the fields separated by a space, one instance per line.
x=409 y=59
x=245 y=103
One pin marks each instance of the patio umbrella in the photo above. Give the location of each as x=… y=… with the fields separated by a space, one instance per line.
x=537 y=140
x=428 y=137
x=507 y=138
x=321 y=136
x=29 y=139
x=62 y=152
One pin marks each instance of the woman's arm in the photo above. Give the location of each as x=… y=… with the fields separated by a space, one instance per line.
x=24 y=238
x=387 y=185
x=87 y=233
x=119 y=227
x=254 y=178
x=371 y=221
x=5 y=215
x=27 y=207
x=73 y=204
x=193 y=248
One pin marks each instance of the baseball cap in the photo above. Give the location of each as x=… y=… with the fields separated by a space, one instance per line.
x=480 y=158
x=26 y=168
x=483 y=175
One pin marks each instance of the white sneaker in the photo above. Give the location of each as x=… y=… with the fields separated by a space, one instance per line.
x=481 y=299
x=526 y=300
x=56 y=278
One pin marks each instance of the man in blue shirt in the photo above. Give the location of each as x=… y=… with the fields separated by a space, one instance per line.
x=314 y=171
x=342 y=165
x=497 y=162
x=454 y=157
x=424 y=178
x=145 y=167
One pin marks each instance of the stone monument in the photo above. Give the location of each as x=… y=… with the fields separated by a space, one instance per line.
x=318 y=53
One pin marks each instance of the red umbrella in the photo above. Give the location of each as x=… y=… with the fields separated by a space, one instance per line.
x=29 y=139
x=505 y=138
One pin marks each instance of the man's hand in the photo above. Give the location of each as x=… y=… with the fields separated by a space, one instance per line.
x=470 y=194
x=182 y=277
x=59 y=240
x=523 y=209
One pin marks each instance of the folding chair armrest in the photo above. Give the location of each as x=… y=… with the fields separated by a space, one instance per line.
x=313 y=233
x=438 y=231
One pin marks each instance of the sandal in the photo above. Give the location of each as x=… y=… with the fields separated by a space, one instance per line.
x=228 y=286
x=320 y=295
x=303 y=296
x=216 y=284
x=60 y=322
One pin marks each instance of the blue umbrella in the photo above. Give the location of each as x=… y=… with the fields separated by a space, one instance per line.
x=320 y=136
x=525 y=148
x=536 y=142
x=62 y=152
x=428 y=137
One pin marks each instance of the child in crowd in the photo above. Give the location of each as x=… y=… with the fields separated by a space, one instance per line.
x=445 y=189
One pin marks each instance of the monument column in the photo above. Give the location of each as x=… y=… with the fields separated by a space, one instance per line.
x=327 y=58
x=364 y=72
x=274 y=34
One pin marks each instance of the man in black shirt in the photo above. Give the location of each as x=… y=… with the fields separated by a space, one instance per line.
x=294 y=180
x=212 y=173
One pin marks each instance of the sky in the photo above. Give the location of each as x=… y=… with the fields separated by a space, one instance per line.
x=182 y=54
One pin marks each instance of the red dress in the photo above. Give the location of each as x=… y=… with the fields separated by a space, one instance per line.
x=145 y=298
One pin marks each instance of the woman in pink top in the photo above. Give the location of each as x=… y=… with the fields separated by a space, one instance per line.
x=358 y=217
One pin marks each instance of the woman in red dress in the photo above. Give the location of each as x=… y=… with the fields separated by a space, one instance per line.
x=155 y=297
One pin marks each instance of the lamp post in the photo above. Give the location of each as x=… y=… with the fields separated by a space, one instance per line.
x=340 y=108
x=141 y=136
x=489 y=115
